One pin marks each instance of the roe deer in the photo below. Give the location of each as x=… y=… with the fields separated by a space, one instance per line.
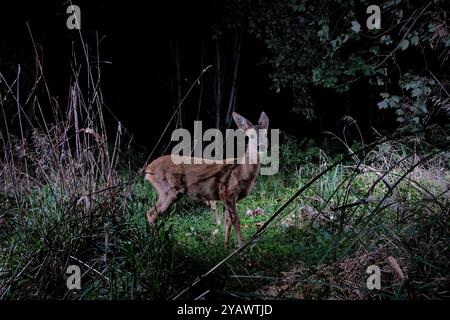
x=227 y=182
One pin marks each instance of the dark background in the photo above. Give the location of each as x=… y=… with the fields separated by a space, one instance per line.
x=136 y=37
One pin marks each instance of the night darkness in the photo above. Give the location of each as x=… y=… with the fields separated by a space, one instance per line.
x=137 y=39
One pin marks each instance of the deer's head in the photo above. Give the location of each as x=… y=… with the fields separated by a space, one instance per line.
x=257 y=134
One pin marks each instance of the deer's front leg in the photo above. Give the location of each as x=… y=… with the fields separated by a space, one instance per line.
x=234 y=217
x=213 y=205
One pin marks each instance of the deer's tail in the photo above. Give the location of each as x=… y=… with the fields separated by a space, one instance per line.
x=149 y=173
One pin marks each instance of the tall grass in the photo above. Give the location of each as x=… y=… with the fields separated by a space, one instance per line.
x=63 y=200
x=373 y=211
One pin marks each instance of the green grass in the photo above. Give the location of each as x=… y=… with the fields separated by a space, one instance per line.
x=123 y=257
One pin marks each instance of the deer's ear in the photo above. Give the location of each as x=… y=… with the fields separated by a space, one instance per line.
x=263 y=120
x=241 y=122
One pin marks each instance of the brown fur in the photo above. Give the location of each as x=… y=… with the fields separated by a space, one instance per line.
x=228 y=182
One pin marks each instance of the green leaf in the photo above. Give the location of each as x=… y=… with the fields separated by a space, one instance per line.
x=417 y=92
x=386 y=39
x=414 y=40
x=423 y=108
x=356 y=26
x=404 y=44
x=382 y=105
x=344 y=40
x=394 y=100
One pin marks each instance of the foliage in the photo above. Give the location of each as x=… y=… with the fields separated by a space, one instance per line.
x=327 y=45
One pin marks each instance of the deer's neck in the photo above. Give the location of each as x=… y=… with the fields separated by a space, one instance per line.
x=252 y=156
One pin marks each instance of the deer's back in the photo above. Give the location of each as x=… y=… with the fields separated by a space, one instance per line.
x=202 y=181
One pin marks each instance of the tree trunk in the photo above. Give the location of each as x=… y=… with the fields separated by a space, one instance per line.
x=178 y=85
x=219 y=84
x=232 y=98
x=200 y=95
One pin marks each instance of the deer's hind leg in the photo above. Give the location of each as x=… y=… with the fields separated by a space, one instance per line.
x=166 y=196
x=164 y=202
